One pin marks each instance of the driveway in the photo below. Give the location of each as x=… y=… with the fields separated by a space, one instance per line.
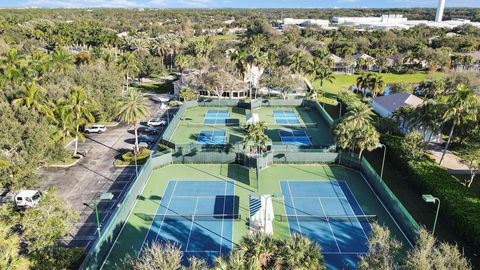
x=451 y=162
x=94 y=174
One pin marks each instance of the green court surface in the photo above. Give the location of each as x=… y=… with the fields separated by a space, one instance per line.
x=131 y=238
x=192 y=124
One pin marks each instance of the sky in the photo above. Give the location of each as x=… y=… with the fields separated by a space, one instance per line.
x=236 y=3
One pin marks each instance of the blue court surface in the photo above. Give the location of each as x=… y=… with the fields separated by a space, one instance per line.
x=212 y=137
x=285 y=117
x=295 y=137
x=206 y=238
x=341 y=240
x=216 y=117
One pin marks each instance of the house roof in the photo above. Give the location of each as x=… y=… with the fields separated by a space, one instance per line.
x=395 y=101
x=361 y=55
x=336 y=59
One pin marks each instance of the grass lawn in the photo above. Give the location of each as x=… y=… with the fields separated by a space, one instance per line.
x=133 y=234
x=344 y=81
x=156 y=88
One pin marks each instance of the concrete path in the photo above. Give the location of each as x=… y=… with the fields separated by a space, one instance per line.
x=451 y=162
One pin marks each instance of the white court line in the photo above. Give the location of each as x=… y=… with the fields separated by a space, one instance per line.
x=384 y=207
x=123 y=226
x=161 y=224
x=223 y=220
x=193 y=197
x=191 y=226
x=359 y=223
x=314 y=197
x=293 y=205
x=359 y=206
x=330 y=226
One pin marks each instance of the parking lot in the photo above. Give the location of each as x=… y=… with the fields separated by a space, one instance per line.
x=81 y=185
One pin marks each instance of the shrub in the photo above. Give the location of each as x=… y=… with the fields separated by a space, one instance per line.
x=174 y=103
x=413 y=145
x=143 y=153
x=459 y=204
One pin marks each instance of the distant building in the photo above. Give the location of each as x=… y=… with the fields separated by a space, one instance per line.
x=305 y=22
x=394 y=21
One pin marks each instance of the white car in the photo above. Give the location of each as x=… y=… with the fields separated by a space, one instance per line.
x=96 y=129
x=155 y=122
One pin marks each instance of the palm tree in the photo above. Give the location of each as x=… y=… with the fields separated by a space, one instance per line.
x=62 y=60
x=255 y=137
x=355 y=129
x=33 y=97
x=64 y=120
x=235 y=261
x=363 y=83
x=297 y=61
x=132 y=110
x=129 y=64
x=260 y=249
x=429 y=117
x=461 y=106
x=300 y=253
x=325 y=74
x=81 y=107
x=376 y=84
x=184 y=61
x=239 y=57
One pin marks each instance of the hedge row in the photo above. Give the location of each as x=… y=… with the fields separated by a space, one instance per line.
x=459 y=204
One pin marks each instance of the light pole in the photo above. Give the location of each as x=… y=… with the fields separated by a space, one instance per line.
x=340 y=112
x=103 y=196
x=135 y=158
x=378 y=145
x=431 y=199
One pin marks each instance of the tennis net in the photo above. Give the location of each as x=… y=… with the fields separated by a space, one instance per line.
x=227 y=123
x=313 y=218
x=188 y=217
x=301 y=125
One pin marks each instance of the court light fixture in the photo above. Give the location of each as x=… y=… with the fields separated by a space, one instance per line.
x=428 y=198
x=379 y=145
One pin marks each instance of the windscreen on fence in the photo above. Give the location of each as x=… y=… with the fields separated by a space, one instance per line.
x=406 y=222
x=100 y=249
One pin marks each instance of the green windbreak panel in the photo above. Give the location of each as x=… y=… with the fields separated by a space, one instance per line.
x=396 y=208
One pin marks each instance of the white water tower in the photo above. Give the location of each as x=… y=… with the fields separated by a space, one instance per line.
x=440 y=8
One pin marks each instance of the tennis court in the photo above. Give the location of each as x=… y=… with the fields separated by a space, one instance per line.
x=285 y=117
x=295 y=137
x=216 y=117
x=328 y=212
x=196 y=215
x=212 y=137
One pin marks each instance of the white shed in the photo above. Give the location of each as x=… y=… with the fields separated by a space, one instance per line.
x=252 y=118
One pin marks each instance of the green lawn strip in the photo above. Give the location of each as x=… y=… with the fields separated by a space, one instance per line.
x=70 y=160
x=344 y=81
x=156 y=87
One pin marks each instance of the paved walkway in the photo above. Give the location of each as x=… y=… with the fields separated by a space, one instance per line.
x=451 y=162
